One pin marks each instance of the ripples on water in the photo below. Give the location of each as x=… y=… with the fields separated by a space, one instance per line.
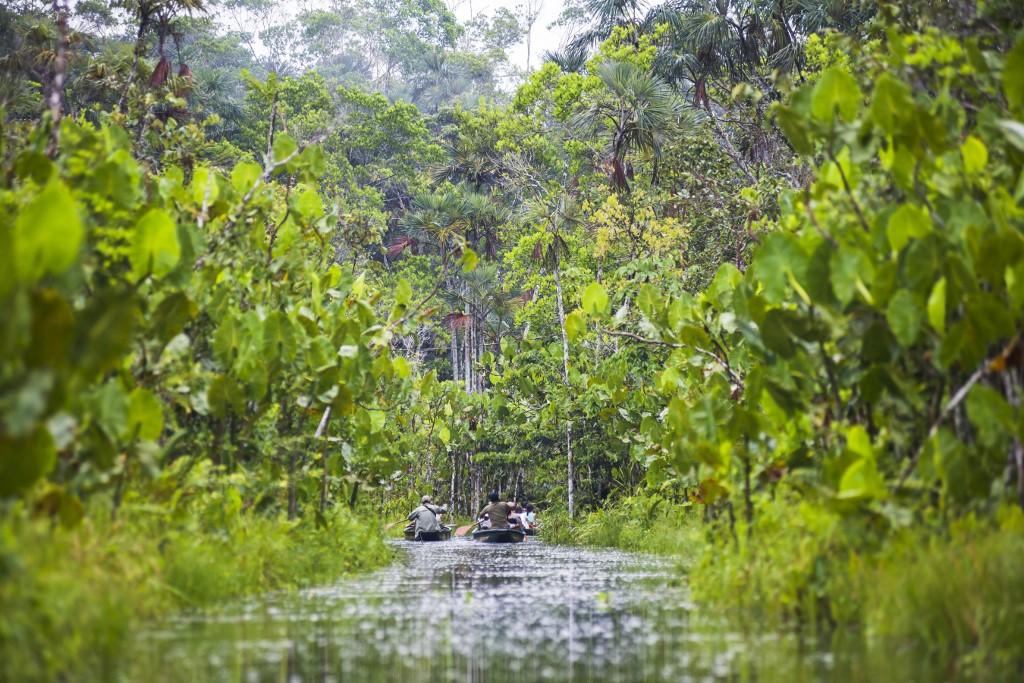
x=465 y=611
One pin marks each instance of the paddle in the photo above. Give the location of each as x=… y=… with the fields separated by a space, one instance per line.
x=463 y=530
x=389 y=527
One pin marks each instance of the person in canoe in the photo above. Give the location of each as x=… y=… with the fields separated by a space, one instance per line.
x=531 y=517
x=495 y=514
x=425 y=517
x=517 y=519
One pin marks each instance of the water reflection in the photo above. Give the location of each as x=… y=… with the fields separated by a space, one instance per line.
x=461 y=611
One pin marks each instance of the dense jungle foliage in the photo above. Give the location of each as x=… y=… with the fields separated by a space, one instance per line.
x=740 y=280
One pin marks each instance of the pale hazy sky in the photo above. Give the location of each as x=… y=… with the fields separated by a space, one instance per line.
x=543 y=39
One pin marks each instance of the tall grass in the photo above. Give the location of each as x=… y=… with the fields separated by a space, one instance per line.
x=958 y=594
x=69 y=598
x=952 y=594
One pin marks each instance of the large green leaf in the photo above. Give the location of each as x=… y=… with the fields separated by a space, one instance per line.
x=244 y=175
x=1013 y=76
x=284 y=147
x=279 y=337
x=47 y=233
x=891 y=103
x=908 y=221
x=905 y=316
x=595 y=299
x=145 y=419
x=849 y=266
x=794 y=126
x=24 y=460
x=309 y=205
x=575 y=324
x=861 y=480
x=836 y=90
x=975 y=155
x=778 y=257
x=204 y=186
x=155 y=249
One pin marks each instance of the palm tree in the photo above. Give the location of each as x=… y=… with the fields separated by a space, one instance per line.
x=484 y=215
x=569 y=60
x=606 y=16
x=639 y=112
x=437 y=221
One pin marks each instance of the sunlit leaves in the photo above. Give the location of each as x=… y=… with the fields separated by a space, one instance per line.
x=205 y=190
x=575 y=324
x=155 y=249
x=469 y=260
x=284 y=147
x=244 y=175
x=908 y=221
x=308 y=204
x=937 y=306
x=861 y=480
x=595 y=299
x=975 y=155
x=403 y=292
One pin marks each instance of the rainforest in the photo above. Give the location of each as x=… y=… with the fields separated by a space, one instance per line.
x=731 y=292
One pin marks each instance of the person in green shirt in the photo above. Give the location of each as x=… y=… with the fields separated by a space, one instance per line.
x=495 y=514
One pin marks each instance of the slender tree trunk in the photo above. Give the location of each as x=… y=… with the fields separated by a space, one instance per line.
x=569 y=476
x=479 y=357
x=451 y=485
x=467 y=346
x=455 y=353
x=271 y=131
x=321 y=430
x=55 y=96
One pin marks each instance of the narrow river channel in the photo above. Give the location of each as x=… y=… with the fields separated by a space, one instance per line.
x=465 y=611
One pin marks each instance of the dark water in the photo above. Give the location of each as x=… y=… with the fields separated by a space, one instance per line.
x=464 y=611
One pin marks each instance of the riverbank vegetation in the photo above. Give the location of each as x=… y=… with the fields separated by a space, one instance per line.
x=738 y=281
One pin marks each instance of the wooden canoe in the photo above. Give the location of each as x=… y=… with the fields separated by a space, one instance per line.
x=442 y=535
x=499 y=535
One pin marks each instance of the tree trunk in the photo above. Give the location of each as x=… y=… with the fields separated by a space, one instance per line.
x=569 y=475
x=321 y=430
x=55 y=96
x=455 y=353
x=451 y=485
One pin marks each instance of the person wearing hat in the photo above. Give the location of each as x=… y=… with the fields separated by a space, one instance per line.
x=425 y=517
